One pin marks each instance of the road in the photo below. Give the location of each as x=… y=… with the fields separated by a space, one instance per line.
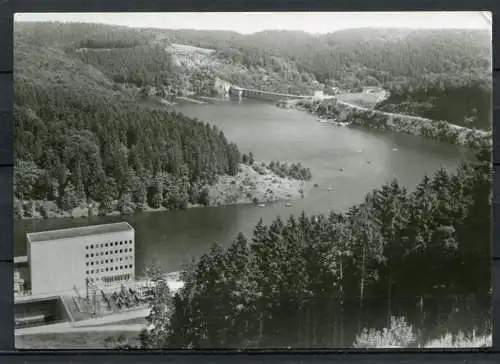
x=390 y=114
x=96 y=324
x=66 y=328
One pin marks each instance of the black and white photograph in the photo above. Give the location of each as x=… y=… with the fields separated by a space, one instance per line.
x=273 y=180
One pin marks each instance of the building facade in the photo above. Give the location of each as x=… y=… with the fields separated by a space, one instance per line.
x=61 y=260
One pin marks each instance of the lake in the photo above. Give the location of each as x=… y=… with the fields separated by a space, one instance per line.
x=345 y=163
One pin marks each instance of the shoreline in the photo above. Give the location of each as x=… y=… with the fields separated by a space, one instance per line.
x=354 y=115
x=247 y=187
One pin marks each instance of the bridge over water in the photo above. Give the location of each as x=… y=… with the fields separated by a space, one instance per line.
x=259 y=94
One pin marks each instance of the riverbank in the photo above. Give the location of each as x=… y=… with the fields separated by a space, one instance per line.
x=338 y=112
x=251 y=185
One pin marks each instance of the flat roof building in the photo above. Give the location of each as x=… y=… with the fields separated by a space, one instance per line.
x=61 y=260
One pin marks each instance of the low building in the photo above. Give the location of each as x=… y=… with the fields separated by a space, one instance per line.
x=318 y=94
x=61 y=260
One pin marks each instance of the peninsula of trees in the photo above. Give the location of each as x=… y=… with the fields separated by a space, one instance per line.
x=81 y=139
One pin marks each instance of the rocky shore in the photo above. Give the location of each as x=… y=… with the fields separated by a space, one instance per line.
x=252 y=185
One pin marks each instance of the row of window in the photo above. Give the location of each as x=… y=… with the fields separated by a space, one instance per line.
x=110 y=279
x=109 y=269
x=117 y=251
x=97 y=262
x=106 y=245
x=120 y=277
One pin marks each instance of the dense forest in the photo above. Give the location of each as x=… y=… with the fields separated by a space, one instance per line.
x=315 y=281
x=439 y=74
x=79 y=139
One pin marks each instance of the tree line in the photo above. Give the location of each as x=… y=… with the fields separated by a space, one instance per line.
x=73 y=148
x=316 y=281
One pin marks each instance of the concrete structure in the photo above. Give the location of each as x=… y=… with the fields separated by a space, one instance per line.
x=263 y=95
x=61 y=260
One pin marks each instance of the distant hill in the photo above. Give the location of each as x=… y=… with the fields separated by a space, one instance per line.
x=427 y=72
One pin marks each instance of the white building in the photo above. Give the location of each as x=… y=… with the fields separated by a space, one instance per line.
x=318 y=94
x=63 y=259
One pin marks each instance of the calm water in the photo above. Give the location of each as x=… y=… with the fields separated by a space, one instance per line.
x=368 y=159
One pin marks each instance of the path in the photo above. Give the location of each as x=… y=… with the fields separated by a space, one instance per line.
x=96 y=324
x=66 y=328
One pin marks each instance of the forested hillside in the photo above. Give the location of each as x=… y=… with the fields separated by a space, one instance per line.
x=81 y=132
x=80 y=138
x=438 y=74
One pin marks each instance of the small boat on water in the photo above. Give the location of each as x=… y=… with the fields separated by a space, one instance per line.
x=329 y=188
x=288 y=204
x=261 y=205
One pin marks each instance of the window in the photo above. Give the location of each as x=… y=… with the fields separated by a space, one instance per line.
x=102 y=253
x=121 y=250
x=107 y=269
x=86 y=247
x=92 y=271
x=86 y=255
x=106 y=253
x=87 y=264
x=111 y=260
x=106 y=245
x=130 y=266
x=121 y=259
x=91 y=263
x=121 y=266
x=92 y=246
x=87 y=272
x=116 y=243
x=111 y=268
x=92 y=255
x=121 y=242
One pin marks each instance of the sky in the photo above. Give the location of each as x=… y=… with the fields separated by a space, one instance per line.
x=245 y=23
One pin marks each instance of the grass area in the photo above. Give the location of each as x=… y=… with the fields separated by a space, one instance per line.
x=73 y=341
